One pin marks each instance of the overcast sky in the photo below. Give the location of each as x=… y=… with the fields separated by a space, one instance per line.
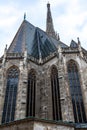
x=69 y=18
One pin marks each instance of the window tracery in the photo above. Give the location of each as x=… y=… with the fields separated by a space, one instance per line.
x=76 y=93
x=31 y=93
x=55 y=94
x=10 y=95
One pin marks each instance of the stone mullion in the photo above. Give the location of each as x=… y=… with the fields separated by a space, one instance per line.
x=75 y=103
x=83 y=81
x=30 y=98
x=58 y=95
x=54 y=102
x=33 y=97
x=11 y=104
x=79 y=100
x=55 y=92
x=76 y=109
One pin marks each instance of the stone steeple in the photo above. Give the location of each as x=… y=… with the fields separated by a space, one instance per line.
x=49 y=23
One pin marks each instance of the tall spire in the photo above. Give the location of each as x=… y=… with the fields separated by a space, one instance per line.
x=49 y=23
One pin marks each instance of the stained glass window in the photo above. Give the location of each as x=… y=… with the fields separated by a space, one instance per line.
x=31 y=94
x=10 y=95
x=76 y=93
x=55 y=94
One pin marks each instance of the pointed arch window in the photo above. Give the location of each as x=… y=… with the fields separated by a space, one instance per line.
x=10 y=95
x=76 y=93
x=55 y=94
x=31 y=94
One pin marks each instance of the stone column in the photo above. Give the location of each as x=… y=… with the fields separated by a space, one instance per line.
x=2 y=90
x=66 y=104
x=22 y=93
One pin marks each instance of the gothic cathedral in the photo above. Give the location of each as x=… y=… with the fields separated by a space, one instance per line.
x=43 y=82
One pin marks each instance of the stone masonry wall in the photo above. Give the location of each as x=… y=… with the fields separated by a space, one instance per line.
x=43 y=106
x=30 y=124
x=82 y=68
x=3 y=73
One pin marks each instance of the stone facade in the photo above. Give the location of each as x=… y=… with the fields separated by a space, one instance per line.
x=57 y=55
x=43 y=84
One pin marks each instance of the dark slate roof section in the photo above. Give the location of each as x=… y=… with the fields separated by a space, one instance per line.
x=16 y=45
x=42 y=44
x=73 y=44
x=22 y=38
x=29 y=36
x=35 y=40
x=56 y=42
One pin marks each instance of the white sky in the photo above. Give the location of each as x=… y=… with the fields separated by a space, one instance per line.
x=69 y=18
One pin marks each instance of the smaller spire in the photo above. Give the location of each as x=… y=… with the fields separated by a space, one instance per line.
x=78 y=40
x=24 y=16
x=5 y=48
x=79 y=47
x=58 y=37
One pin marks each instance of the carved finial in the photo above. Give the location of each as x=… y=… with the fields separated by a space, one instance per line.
x=6 y=45
x=24 y=16
x=4 y=56
x=79 y=47
x=58 y=37
x=6 y=48
x=78 y=40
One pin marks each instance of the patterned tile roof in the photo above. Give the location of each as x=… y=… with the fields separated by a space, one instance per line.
x=35 y=40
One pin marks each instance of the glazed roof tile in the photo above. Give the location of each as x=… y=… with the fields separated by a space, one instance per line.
x=35 y=40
